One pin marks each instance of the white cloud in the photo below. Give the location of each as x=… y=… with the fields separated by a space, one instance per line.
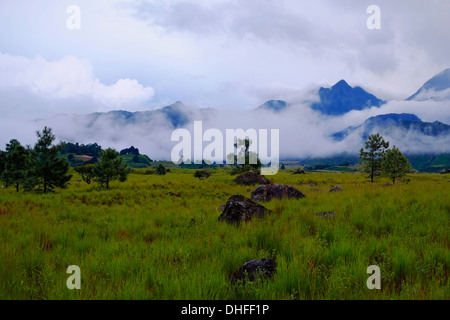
x=70 y=78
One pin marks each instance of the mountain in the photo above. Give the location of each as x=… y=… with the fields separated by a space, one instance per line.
x=176 y=115
x=395 y=125
x=433 y=88
x=274 y=105
x=342 y=98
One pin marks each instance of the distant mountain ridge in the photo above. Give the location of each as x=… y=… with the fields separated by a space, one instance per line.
x=436 y=84
x=384 y=124
x=176 y=115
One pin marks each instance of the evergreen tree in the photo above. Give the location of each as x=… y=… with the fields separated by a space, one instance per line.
x=49 y=169
x=245 y=154
x=17 y=162
x=86 y=172
x=110 y=167
x=395 y=164
x=371 y=158
x=2 y=164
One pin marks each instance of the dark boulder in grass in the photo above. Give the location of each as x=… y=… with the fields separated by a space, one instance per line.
x=325 y=214
x=335 y=189
x=241 y=209
x=445 y=171
x=255 y=269
x=279 y=191
x=251 y=178
x=299 y=171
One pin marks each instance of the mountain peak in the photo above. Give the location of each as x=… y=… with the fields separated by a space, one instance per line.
x=341 y=84
x=342 y=98
x=177 y=104
x=274 y=105
x=439 y=82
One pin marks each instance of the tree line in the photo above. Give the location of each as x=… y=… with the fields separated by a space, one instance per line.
x=43 y=168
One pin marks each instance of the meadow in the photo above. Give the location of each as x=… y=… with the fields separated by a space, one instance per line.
x=158 y=237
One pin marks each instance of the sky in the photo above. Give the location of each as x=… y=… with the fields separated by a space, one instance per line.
x=222 y=54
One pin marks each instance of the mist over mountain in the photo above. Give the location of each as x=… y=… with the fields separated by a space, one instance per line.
x=437 y=88
x=274 y=105
x=304 y=132
x=385 y=123
x=175 y=116
x=406 y=130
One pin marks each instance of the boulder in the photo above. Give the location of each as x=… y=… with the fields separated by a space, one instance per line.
x=325 y=214
x=445 y=171
x=251 y=178
x=239 y=208
x=269 y=191
x=299 y=171
x=264 y=268
x=335 y=189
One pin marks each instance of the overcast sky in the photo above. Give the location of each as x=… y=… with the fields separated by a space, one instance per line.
x=218 y=53
x=224 y=54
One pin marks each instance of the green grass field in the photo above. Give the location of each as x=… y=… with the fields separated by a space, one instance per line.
x=158 y=237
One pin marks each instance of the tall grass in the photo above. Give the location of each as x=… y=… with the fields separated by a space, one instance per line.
x=158 y=237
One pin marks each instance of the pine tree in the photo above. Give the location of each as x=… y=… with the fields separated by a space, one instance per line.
x=2 y=164
x=110 y=167
x=371 y=159
x=17 y=162
x=86 y=172
x=49 y=169
x=395 y=164
x=250 y=159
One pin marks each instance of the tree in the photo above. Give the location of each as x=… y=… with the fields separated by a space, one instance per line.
x=49 y=169
x=371 y=158
x=202 y=174
x=2 y=163
x=244 y=153
x=17 y=162
x=86 y=172
x=110 y=167
x=395 y=164
x=161 y=170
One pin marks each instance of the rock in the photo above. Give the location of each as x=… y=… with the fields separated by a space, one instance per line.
x=250 y=271
x=445 y=171
x=299 y=171
x=251 y=178
x=269 y=191
x=239 y=208
x=335 y=189
x=325 y=214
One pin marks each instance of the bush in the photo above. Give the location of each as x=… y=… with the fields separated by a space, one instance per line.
x=202 y=174
x=161 y=170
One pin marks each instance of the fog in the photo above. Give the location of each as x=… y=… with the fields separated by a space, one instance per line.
x=303 y=132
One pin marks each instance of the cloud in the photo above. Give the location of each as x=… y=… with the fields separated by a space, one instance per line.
x=67 y=79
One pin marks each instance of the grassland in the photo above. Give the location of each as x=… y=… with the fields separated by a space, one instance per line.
x=158 y=237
